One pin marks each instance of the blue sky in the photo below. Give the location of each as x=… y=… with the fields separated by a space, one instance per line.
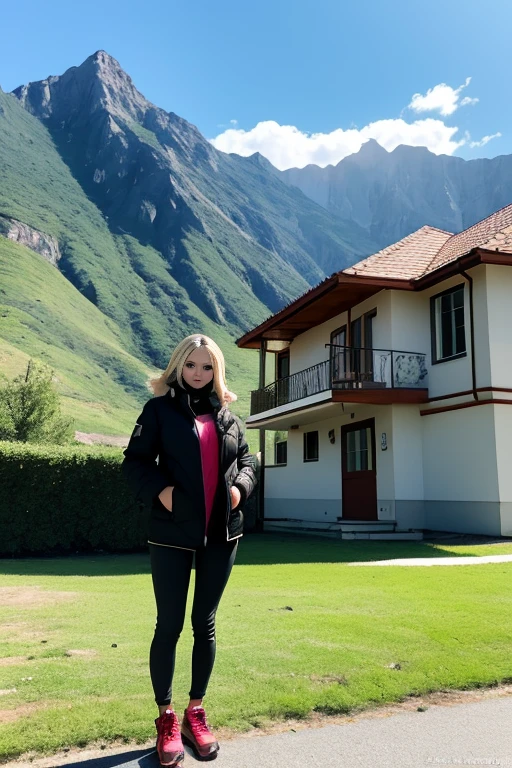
x=299 y=81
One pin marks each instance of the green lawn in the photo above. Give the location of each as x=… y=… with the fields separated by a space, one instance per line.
x=60 y=618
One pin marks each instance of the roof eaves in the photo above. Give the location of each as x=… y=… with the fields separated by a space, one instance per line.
x=292 y=307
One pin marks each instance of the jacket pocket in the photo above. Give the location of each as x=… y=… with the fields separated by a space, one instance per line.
x=180 y=507
x=235 y=523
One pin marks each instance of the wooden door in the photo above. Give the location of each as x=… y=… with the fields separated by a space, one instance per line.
x=358 y=471
x=367 y=361
x=339 y=354
x=282 y=376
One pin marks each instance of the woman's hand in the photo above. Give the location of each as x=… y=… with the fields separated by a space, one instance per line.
x=165 y=497
x=235 y=496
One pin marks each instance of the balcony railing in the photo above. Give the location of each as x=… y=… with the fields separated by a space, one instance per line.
x=346 y=368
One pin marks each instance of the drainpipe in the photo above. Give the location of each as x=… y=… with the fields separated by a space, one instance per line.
x=472 y=330
x=260 y=517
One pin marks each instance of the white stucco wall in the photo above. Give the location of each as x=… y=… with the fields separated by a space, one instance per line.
x=503 y=435
x=410 y=331
x=407 y=447
x=322 y=479
x=308 y=348
x=403 y=324
x=459 y=455
x=499 y=310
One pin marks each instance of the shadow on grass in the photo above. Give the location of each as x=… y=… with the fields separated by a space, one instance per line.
x=140 y=758
x=254 y=549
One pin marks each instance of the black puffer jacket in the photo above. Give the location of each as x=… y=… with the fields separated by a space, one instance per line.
x=166 y=428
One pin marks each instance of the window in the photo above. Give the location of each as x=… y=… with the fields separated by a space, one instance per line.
x=282 y=374
x=359 y=450
x=281 y=452
x=447 y=321
x=339 y=354
x=276 y=448
x=283 y=364
x=311 y=446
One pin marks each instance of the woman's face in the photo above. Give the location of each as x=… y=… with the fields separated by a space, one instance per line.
x=198 y=368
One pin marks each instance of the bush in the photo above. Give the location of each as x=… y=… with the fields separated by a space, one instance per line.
x=58 y=499
x=30 y=409
x=61 y=499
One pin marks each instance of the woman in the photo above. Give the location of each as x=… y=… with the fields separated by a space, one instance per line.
x=196 y=493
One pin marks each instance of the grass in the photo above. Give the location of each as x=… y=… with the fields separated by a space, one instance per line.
x=332 y=653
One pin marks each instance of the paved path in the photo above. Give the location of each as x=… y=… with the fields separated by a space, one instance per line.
x=429 y=561
x=476 y=733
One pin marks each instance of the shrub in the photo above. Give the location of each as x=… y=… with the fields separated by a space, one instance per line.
x=30 y=408
x=58 y=499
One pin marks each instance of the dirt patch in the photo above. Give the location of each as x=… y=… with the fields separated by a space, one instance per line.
x=81 y=652
x=32 y=597
x=95 y=438
x=315 y=720
x=9 y=661
x=11 y=715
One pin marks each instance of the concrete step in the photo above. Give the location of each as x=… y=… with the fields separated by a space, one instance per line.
x=383 y=536
x=365 y=527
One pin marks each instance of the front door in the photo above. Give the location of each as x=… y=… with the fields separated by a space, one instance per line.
x=282 y=376
x=358 y=471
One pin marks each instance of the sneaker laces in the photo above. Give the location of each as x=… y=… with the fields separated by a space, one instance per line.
x=197 y=718
x=170 y=725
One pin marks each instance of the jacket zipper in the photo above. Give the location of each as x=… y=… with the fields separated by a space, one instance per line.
x=201 y=461
x=228 y=495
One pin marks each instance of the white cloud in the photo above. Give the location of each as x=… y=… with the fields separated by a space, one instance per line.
x=287 y=147
x=485 y=140
x=441 y=98
x=234 y=122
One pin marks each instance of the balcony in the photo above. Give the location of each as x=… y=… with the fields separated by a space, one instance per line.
x=352 y=374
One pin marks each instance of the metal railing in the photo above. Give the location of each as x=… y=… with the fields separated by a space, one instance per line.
x=346 y=368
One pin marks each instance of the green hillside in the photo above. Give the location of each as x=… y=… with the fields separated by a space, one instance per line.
x=102 y=351
x=43 y=316
x=159 y=235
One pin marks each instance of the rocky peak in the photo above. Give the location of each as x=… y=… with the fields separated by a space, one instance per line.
x=370 y=153
x=98 y=84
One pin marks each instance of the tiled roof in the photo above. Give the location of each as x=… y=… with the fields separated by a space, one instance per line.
x=405 y=260
x=494 y=232
x=429 y=248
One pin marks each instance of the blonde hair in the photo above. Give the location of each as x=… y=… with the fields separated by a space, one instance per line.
x=173 y=372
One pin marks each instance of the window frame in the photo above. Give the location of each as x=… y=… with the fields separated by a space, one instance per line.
x=282 y=354
x=281 y=463
x=304 y=454
x=434 y=325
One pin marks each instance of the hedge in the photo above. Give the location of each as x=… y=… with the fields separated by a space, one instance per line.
x=57 y=499
x=61 y=499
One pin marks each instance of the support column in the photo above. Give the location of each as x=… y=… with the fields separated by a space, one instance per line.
x=261 y=506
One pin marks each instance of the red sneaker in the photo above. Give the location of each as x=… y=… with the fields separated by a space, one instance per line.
x=196 y=734
x=168 y=742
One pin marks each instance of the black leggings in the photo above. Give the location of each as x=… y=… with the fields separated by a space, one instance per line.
x=170 y=569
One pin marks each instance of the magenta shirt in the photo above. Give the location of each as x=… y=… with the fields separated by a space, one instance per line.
x=209 y=444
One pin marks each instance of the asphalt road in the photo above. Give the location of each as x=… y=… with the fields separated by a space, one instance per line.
x=477 y=733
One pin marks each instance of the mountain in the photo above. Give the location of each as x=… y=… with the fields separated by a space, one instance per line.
x=158 y=232
x=230 y=232
x=391 y=194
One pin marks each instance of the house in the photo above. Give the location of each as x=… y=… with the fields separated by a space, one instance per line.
x=391 y=391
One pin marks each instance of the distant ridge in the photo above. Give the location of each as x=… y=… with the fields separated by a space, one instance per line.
x=391 y=194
